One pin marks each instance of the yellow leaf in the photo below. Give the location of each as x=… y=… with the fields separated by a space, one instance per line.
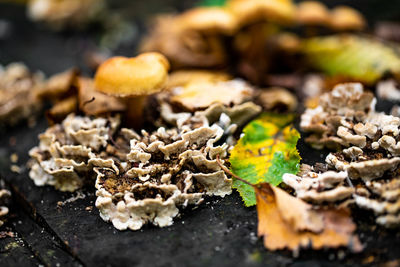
x=265 y=152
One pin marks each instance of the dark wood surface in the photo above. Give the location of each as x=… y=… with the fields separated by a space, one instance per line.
x=220 y=232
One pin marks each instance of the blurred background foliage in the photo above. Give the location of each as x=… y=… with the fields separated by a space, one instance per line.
x=26 y=41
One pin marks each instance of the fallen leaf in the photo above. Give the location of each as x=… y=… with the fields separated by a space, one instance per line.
x=58 y=86
x=300 y=218
x=280 y=216
x=265 y=152
x=61 y=109
x=92 y=102
x=359 y=58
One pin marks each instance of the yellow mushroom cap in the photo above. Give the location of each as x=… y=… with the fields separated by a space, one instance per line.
x=208 y=19
x=250 y=11
x=142 y=75
x=312 y=13
x=346 y=18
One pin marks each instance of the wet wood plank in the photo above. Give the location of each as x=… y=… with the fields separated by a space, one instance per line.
x=14 y=252
x=221 y=232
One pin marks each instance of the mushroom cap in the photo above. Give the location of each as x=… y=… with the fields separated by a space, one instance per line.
x=312 y=13
x=201 y=94
x=250 y=11
x=346 y=18
x=184 y=48
x=138 y=76
x=185 y=77
x=209 y=19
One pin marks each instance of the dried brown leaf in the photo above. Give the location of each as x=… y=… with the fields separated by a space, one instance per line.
x=61 y=110
x=282 y=217
x=92 y=102
x=58 y=86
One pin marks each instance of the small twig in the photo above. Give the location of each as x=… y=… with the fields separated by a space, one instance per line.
x=226 y=170
x=88 y=101
x=110 y=135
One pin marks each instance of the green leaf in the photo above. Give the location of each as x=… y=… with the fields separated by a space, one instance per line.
x=212 y=2
x=265 y=152
x=359 y=58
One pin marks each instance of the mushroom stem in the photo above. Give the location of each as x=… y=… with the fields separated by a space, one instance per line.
x=134 y=111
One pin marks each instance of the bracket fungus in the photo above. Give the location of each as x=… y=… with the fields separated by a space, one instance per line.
x=383 y=201
x=67 y=151
x=319 y=187
x=17 y=93
x=332 y=123
x=140 y=178
x=368 y=151
x=388 y=90
x=166 y=170
x=133 y=79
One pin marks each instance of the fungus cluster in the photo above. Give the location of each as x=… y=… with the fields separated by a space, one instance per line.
x=340 y=18
x=139 y=178
x=146 y=177
x=365 y=166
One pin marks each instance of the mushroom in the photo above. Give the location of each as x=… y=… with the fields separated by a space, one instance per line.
x=201 y=94
x=209 y=20
x=184 y=77
x=312 y=13
x=250 y=11
x=313 y=16
x=64 y=13
x=133 y=79
x=344 y=18
x=198 y=47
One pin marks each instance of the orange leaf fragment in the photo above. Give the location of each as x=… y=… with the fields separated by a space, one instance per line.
x=287 y=222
